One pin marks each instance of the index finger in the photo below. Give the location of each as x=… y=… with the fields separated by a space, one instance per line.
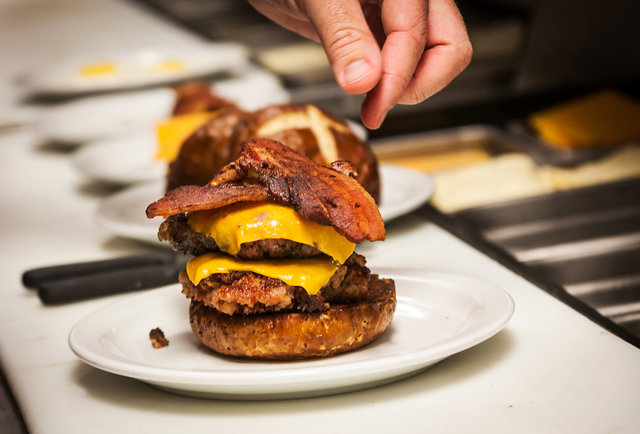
x=405 y=25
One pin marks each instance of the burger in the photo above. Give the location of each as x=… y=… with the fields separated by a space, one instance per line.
x=305 y=128
x=274 y=274
x=206 y=150
x=195 y=140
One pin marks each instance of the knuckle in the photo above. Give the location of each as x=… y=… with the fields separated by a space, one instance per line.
x=344 y=43
x=466 y=54
x=416 y=96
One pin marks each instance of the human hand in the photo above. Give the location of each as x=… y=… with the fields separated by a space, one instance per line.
x=395 y=51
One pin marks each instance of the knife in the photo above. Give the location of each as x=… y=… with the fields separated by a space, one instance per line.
x=74 y=282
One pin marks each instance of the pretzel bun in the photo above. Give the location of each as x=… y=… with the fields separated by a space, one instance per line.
x=306 y=129
x=315 y=133
x=297 y=335
x=206 y=151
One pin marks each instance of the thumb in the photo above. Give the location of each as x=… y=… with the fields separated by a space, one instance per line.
x=351 y=47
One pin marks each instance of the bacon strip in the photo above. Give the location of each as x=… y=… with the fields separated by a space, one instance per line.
x=321 y=194
x=197 y=198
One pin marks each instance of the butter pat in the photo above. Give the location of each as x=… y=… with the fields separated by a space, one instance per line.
x=509 y=176
x=624 y=163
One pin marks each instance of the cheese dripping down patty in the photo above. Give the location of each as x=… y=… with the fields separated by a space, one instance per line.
x=234 y=225
x=241 y=223
x=310 y=273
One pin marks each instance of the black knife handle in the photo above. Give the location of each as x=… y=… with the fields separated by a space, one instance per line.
x=39 y=276
x=107 y=283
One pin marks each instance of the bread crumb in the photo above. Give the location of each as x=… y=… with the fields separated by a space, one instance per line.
x=157 y=338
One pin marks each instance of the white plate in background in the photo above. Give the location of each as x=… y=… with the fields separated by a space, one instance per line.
x=129 y=158
x=123 y=213
x=135 y=68
x=403 y=190
x=126 y=159
x=96 y=117
x=438 y=315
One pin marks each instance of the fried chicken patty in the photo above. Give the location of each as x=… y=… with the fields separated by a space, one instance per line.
x=184 y=239
x=245 y=292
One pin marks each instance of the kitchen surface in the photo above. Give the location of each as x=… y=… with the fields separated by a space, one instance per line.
x=510 y=201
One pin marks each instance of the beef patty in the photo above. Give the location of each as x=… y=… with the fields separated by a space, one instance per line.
x=244 y=292
x=184 y=239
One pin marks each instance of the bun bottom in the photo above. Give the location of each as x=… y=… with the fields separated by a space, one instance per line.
x=297 y=335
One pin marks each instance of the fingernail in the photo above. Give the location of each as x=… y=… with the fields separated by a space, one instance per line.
x=355 y=71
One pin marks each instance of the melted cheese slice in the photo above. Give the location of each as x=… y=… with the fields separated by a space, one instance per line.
x=311 y=274
x=171 y=133
x=234 y=225
x=605 y=118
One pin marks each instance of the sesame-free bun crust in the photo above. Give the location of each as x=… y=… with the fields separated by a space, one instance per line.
x=297 y=335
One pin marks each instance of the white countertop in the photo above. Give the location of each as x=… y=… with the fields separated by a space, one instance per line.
x=549 y=370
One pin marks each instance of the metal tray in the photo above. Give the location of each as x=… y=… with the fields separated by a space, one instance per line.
x=484 y=139
x=544 y=153
x=587 y=240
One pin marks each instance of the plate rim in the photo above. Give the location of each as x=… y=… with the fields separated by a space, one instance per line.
x=299 y=376
x=424 y=180
x=101 y=147
x=44 y=84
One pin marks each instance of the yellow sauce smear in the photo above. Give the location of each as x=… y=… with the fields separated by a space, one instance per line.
x=168 y=66
x=98 y=69
x=311 y=274
x=234 y=225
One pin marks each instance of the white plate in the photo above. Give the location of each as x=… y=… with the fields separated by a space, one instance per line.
x=136 y=68
x=97 y=117
x=126 y=159
x=403 y=190
x=437 y=316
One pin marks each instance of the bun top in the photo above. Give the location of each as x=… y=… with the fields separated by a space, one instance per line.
x=305 y=128
x=268 y=170
x=313 y=132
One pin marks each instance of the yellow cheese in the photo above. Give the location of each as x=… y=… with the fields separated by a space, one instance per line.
x=438 y=161
x=311 y=274
x=173 y=132
x=605 y=118
x=234 y=225
x=98 y=69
